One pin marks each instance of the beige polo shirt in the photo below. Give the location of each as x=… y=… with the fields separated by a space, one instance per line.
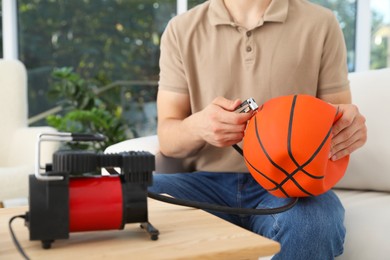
x=297 y=47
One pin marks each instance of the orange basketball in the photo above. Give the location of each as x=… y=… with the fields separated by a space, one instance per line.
x=287 y=144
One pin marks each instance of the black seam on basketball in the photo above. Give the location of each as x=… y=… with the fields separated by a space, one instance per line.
x=265 y=152
x=275 y=164
x=289 y=134
x=308 y=161
x=265 y=176
x=290 y=176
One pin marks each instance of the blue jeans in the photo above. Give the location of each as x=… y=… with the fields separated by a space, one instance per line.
x=312 y=229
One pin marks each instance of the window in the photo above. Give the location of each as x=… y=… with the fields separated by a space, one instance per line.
x=113 y=40
x=192 y=3
x=345 y=11
x=380 y=34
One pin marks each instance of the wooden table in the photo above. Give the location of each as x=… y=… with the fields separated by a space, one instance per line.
x=185 y=233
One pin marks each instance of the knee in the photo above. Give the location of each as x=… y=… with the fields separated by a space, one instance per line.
x=321 y=230
x=312 y=231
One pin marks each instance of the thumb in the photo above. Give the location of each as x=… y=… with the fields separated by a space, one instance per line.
x=227 y=104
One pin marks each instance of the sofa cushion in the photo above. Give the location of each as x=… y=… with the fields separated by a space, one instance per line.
x=369 y=167
x=13 y=102
x=14 y=181
x=367 y=222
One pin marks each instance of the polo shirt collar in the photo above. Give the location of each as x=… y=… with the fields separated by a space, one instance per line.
x=276 y=11
x=219 y=15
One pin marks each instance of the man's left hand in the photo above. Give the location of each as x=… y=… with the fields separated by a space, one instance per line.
x=349 y=132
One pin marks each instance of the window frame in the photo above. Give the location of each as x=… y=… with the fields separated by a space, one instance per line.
x=10 y=29
x=363 y=35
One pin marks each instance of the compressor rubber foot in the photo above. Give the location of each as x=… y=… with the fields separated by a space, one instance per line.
x=46 y=244
x=152 y=231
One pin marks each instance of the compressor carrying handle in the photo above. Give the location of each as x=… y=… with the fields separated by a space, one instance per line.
x=59 y=137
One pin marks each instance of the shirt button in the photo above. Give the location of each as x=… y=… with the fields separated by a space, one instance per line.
x=248 y=34
x=249 y=49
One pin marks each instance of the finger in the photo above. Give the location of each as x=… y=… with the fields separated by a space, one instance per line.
x=349 y=113
x=348 y=150
x=344 y=135
x=240 y=119
x=227 y=139
x=224 y=129
x=228 y=117
x=345 y=143
x=226 y=104
x=357 y=126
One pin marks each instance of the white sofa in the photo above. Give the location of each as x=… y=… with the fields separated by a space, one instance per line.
x=365 y=189
x=17 y=140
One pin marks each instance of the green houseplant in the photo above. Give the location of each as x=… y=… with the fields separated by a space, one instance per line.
x=84 y=111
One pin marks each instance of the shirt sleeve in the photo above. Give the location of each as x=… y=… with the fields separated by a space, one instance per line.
x=172 y=72
x=333 y=76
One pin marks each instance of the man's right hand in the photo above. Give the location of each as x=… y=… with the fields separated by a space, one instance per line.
x=219 y=125
x=182 y=134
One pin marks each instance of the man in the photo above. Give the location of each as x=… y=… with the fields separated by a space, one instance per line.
x=222 y=52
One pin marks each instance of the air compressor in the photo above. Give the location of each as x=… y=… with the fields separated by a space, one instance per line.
x=71 y=195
